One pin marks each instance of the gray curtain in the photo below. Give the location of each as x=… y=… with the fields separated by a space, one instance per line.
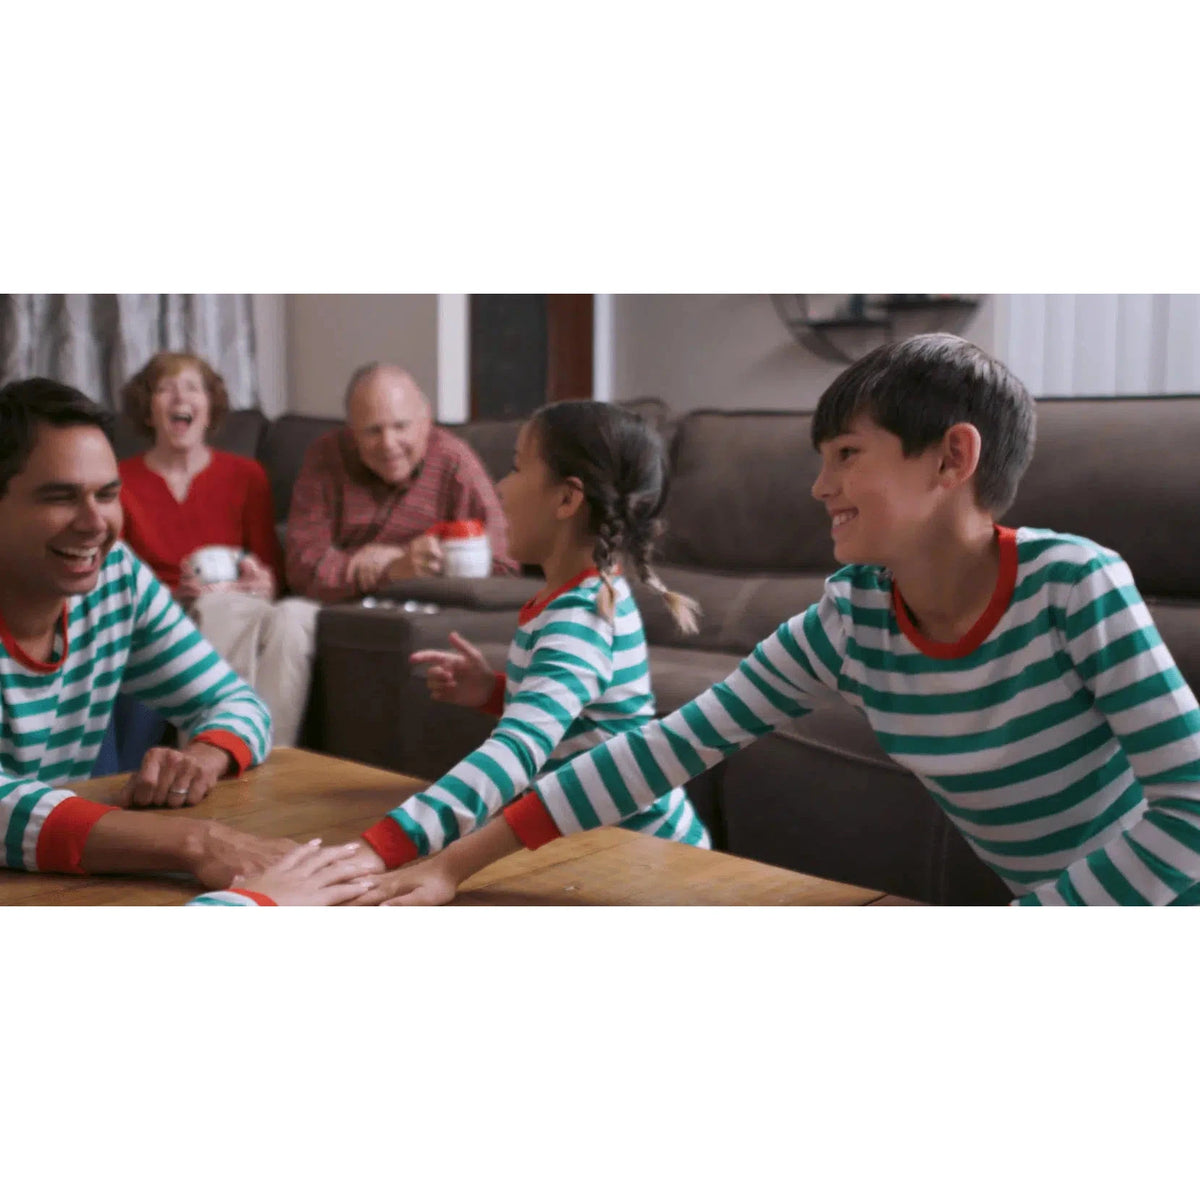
x=96 y=342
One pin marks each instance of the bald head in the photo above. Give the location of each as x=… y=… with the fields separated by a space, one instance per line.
x=390 y=419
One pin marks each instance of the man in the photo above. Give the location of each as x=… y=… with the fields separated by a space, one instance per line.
x=368 y=494
x=82 y=618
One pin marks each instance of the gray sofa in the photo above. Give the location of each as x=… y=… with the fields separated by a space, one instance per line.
x=747 y=540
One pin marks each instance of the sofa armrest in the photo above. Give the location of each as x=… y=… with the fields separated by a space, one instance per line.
x=370 y=706
x=491 y=593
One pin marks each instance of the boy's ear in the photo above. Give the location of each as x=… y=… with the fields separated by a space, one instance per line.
x=961 y=446
x=570 y=498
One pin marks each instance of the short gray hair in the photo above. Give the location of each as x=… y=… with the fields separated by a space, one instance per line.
x=373 y=368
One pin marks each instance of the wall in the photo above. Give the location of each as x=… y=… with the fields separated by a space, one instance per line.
x=727 y=351
x=329 y=335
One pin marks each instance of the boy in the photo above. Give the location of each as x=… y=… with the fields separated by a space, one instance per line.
x=1017 y=673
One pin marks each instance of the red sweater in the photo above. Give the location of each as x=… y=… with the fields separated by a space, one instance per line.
x=228 y=504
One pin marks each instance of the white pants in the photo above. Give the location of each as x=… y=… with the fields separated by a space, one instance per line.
x=270 y=645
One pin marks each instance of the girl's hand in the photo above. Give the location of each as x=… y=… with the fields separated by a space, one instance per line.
x=255 y=578
x=457 y=678
x=310 y=875
x=426 y=882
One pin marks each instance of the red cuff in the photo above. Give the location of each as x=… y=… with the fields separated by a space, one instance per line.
x=391 y=843
x=231 y=744
x=257 y=897
x=65 y=833
x=494 y=704
x=530 y=820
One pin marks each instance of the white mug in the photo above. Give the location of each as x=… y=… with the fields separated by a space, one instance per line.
x=216 y=564
x=466 y=551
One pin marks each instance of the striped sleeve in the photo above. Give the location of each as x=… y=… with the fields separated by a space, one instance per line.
x=43 y=827
x=570 y=666
x=174 y=670
x=234 y=898
x=1117 y=652
x=780 y=680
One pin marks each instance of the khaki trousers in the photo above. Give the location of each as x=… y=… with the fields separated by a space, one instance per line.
x=270 y=645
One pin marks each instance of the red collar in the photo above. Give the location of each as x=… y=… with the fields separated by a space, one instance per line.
x=531 y=608
x=32 y=664
x=1006 y=582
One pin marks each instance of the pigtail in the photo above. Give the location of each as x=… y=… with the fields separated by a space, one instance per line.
x=604 y=555
x=684 y=610
x=621 y=466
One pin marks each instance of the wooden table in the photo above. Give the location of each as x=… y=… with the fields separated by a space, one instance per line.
x=301 y=795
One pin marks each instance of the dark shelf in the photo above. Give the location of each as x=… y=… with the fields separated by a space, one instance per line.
x=844 y=323
x=929 y=305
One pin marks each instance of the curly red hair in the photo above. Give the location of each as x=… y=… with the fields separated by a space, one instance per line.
x=136 y=394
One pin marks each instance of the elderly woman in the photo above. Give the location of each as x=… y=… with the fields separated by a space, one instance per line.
x=182 y=495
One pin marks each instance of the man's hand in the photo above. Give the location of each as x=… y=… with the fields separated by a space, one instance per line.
x=370 y=564
x=423 y=558
x=430 y=881
x=457 y=678
x=222 y=854
x=171 y=778
x=310 y=875
x=255 y=578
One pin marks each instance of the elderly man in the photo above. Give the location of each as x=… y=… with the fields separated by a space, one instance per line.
x=367 y=495
x=82 y=618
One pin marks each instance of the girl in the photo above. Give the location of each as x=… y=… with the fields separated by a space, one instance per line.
x=587 y=485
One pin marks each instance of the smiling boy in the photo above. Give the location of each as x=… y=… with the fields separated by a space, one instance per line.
x=1015 y=672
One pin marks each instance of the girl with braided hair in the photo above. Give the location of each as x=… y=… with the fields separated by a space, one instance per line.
x=583 y=499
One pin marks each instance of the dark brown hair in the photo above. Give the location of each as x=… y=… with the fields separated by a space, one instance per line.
x=27 y=403
x=136 y=394
x=917 y=388
x=620 y=461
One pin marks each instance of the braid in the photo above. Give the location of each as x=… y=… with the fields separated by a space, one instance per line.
x=639 y=546
x=604 y=553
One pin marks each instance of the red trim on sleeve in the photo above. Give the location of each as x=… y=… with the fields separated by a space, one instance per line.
x=65 y=833
x=391 y=843
x=257 y=897
x=231 y=744
x=494 y=704
x=531 y=821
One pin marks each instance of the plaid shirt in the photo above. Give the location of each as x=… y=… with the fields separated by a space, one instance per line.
x=338 y=505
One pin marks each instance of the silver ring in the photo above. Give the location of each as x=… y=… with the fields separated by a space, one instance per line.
x=178 y=791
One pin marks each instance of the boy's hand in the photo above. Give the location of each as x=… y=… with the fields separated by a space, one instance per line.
x=310 y=875
x=429 y=881
x=457 y=678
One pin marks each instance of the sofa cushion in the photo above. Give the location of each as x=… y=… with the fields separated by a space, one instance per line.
x=1119 y=471
x=495 y=441
x=741 y=495
x=241 y=432
x=678 y=676
x=283 y=448
x=737 y=611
